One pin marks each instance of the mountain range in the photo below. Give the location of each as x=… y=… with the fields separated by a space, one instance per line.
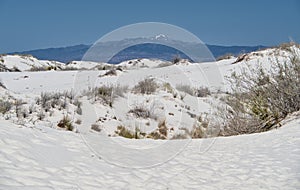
x=146 y=50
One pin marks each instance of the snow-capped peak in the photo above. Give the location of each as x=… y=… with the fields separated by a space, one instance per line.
x=161 y=37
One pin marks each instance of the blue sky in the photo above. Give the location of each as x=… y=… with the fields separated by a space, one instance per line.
x=35 y=24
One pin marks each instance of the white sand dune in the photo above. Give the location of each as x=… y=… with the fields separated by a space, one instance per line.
x=44 y=158
x=36 y=155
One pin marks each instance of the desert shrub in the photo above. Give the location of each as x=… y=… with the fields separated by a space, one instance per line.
x=162 y=128
x=5 y=106
x=160 y=133
x=35 y=68
x=124 y=132
x=96 y=127
x=19 y=109
x=202 y=92
x=78 y=121
x=185 y=88
x=41 y=115
x=146 y=86
x=69 y=94
x=21 y=112
x=78 y=104
x=176 y=59
x=287 y=46
x=56 y=100
x=225 y=56
x=200 y=127
x=198 y=92
x=260 y=99
x=140 y=112
x=70 y=68
x=66 y=123
x=105 y=93
x=179 y=136
x=112 y=72
x=168 y=88
x=156 y=135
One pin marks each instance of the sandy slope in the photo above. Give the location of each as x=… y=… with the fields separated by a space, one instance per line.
x=44 y=158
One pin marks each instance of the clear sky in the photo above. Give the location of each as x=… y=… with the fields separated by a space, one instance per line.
x=35 y=24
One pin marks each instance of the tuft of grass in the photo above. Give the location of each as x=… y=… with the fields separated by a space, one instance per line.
x=124 y=132
x=66 y=123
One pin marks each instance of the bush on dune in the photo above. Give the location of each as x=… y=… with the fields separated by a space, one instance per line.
x=260 y=99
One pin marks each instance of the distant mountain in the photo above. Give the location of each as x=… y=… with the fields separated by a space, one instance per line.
x=146 y=50
x=62 y=54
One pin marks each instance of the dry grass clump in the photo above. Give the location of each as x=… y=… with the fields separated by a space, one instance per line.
x=260 y=99
x=106 y=94
x=197 y=92
x=126 y=133
x=161 y=132
x=96 y=127
x=146 y=86
x=66 y=123
x=5 y=106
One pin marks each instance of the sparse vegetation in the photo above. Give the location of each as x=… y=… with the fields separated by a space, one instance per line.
x=225 y=56
x=200 y=127
x=66 y=123
x=5 y=106
x=161 y=132
x=202 y=92
x=198 y=92
x=146 y=86
x=112 y=72
x=260 y=99
x=185 y=88
x=124 y=132
x=96 y=127
x=176 y=59
x=41 y=115
x=78 y=121
x=106 y=94
x=162 y=128
x=141 y=111
x=287 y=46
x=56 y=100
